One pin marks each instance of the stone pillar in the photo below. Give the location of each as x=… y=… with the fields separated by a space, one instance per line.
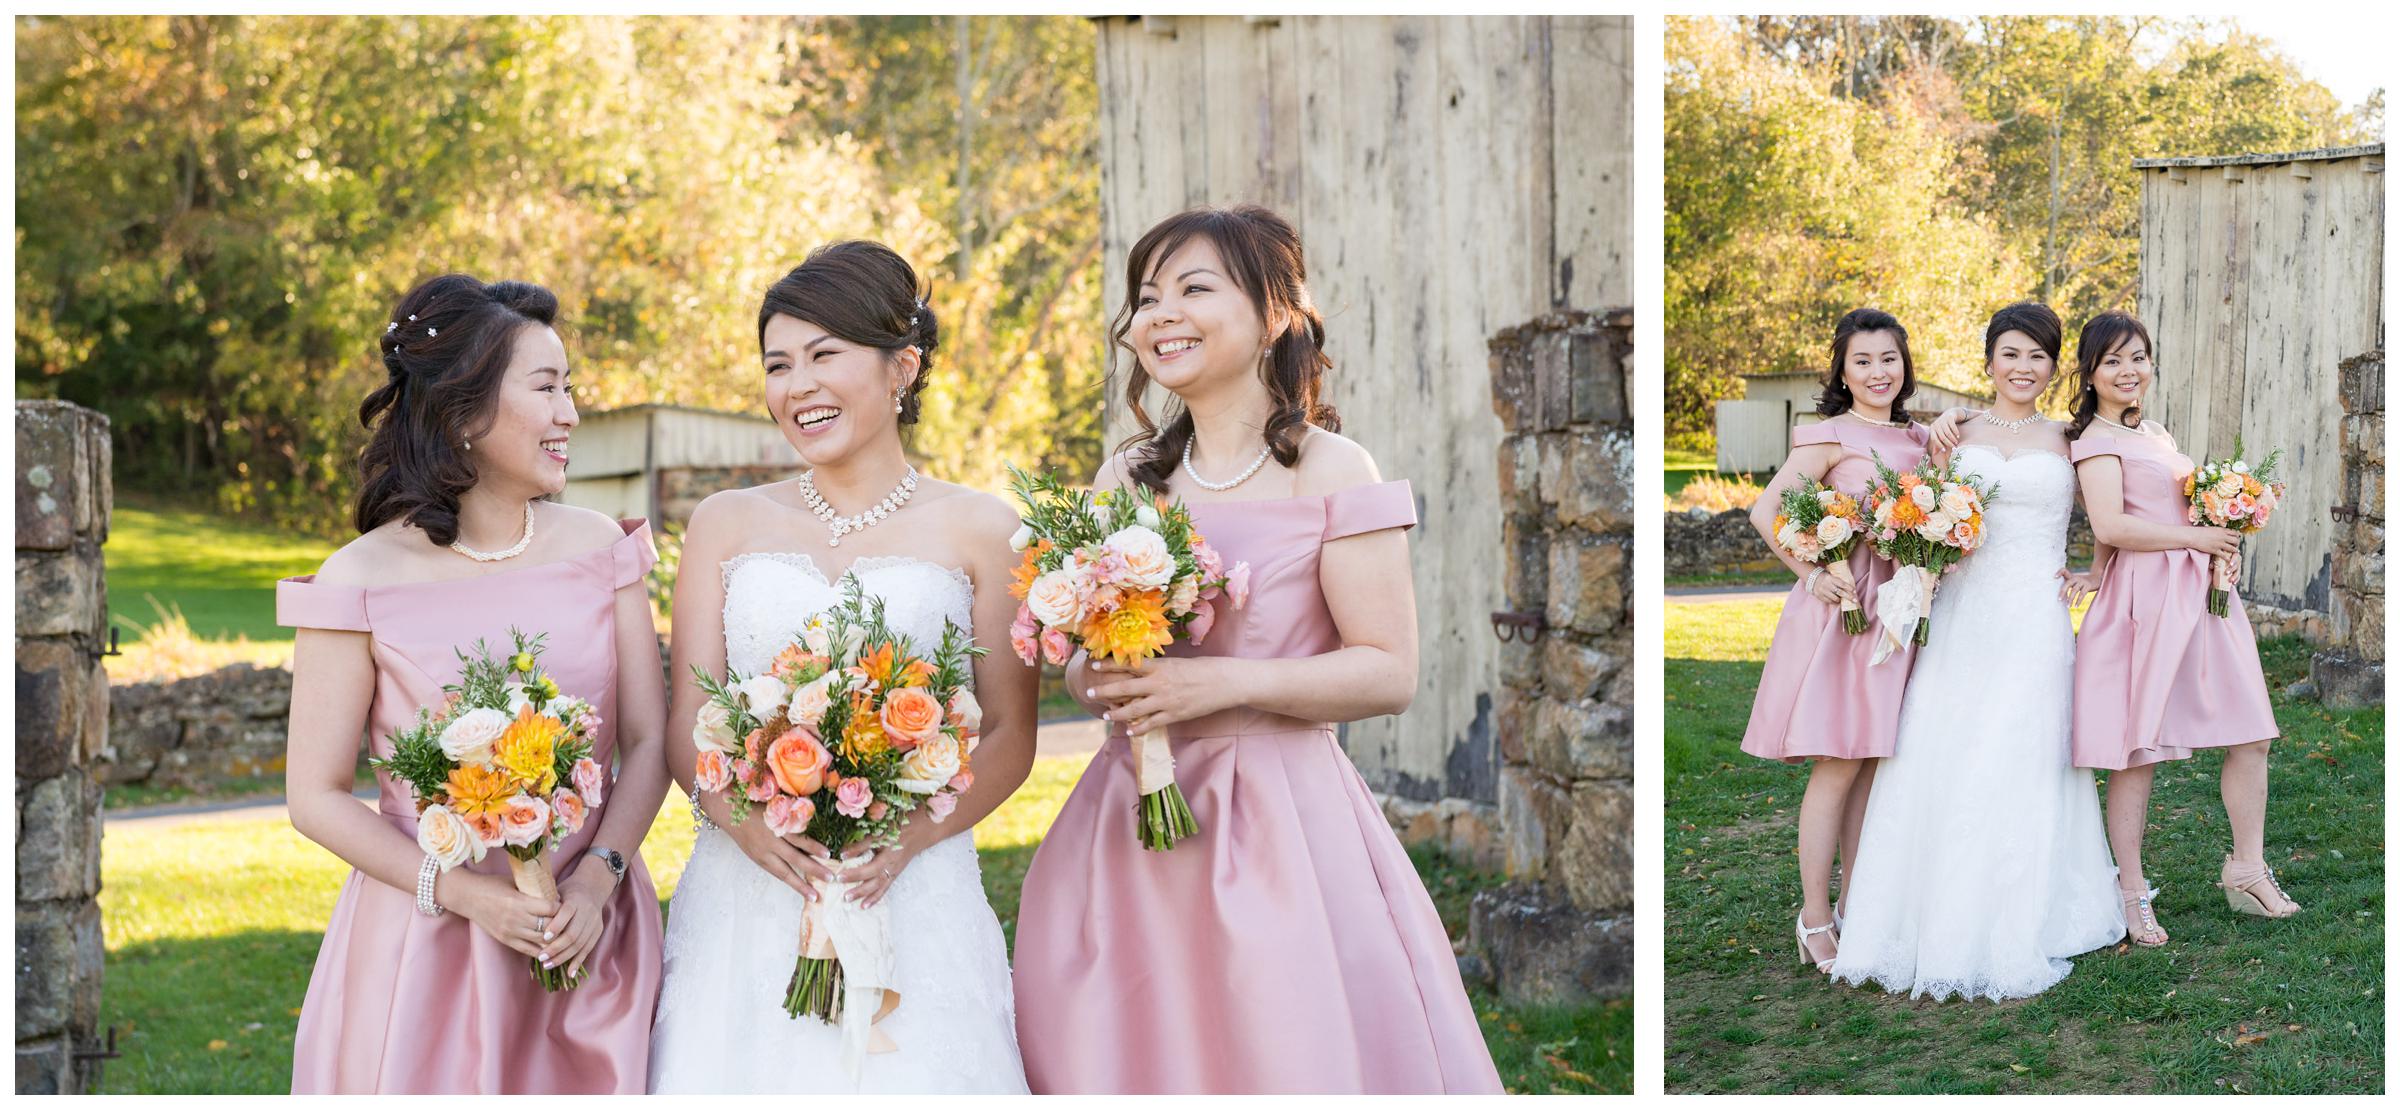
x=62 y=724
x=1562 y=930
x=2349 y=672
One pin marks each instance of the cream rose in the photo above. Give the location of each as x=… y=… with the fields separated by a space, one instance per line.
x=469 y=737
x=762 y=695
x=965 y=711
x=931 y=764
x=1924 y=496
x=1958 y=503
x=1054 y=600
x=446 y=837
x=712 y=728
x=810 y=701
x=1832 y=530
x=1147 y=560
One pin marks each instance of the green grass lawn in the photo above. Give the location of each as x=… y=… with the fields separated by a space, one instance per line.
x=212 y=928
x=2231 y=1004
x=221 y=573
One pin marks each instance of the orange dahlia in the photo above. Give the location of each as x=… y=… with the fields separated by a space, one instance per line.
x=862 y=736
x=476 y=791
x=1021 y=579
x=1135 y=630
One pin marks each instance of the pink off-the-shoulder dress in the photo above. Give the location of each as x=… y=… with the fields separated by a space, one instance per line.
x=401 y=1003
x=2157 y=676
x=1289 y=947
x=1820 y=694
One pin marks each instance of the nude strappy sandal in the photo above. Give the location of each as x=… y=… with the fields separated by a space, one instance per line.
x=2240 y=884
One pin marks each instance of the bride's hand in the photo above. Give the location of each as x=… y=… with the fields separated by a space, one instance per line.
x=1167 y=690
x=784 y=858
x=879 y=873
x=1944 y=433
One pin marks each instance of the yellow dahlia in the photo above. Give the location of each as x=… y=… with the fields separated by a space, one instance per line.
x=475 y=791
x=1135 y=630
x=528 y=751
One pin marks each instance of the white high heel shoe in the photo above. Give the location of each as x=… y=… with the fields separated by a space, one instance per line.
x=1800 y=934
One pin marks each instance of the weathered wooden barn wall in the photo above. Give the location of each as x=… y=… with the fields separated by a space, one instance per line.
x=2260 y=275
x=1451 y=178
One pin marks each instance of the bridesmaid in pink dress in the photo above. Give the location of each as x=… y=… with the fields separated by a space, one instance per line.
x=1289 y=947
x=2156 y=676
x=1819 y=698
x=455 y=547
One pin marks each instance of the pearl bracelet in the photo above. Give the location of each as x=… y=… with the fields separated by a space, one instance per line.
x=427 y=872
x=700 y=817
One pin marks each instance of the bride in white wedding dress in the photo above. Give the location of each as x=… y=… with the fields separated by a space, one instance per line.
x=1984 y=864
x=845 y=343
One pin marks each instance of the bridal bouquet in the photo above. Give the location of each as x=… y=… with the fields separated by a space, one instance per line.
x=1924 y=521
x=504 y=762
x=1120 y=576
x=848 y=732
x=1820 y=525
x=2232 y=494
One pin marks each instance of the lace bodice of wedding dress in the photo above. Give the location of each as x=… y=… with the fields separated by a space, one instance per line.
x=733 y=931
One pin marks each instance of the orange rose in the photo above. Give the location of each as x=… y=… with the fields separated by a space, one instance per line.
x=527 y=819
x=798 y=762
x=910 y=717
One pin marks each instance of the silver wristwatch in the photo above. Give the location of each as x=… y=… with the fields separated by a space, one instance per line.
x=610 y=856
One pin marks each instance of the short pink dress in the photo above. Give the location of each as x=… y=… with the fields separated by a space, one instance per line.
x=401 y=1003
x=1819 y=695
x=1287 y=948
x=2156 y=676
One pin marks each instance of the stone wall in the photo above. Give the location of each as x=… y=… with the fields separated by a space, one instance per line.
x=1701 y=544
x=1562 y=929
x=2349 y=672
x=199 y=732
x=63 y=498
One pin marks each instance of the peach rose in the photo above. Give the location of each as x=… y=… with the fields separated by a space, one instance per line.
x=787 y=815
x=757 y=784
x=1056 y=647
x=941 y=805
x=962 y=781
x=568 y=805
x=447 y=837
x=590 y=780
x=798 y=762
x=713 y=771
x=487 y=829
x=910 y=717
x=525 y=820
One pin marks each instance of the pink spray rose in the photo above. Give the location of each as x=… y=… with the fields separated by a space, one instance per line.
x=787 y=815
x=941 y=805
x=852 y=797
x=590 y=779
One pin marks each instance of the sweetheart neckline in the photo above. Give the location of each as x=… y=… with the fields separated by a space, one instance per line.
x=863 y=564
x=2009 y=456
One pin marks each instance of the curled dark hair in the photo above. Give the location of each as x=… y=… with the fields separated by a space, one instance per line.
x=1262 y=251
x=2030 y=317
x=446 y=350
x=1836 y=399
x=860 y=292
x=2101 y=335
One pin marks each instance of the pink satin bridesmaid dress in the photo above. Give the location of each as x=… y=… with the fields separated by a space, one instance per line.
x=1289 y=947
x=401 y=1003
x=1820 y=694
x=2156 y=675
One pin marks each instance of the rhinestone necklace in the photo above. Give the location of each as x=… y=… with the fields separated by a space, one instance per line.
x=844 y=525
x=2016 y=426
x=496 y=556
x=1238 y=479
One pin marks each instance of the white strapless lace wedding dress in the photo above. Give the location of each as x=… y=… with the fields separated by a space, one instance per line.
x=733 y=932
x=1984 y=863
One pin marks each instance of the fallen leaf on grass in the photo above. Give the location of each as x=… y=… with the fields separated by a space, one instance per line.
x=2292 y=1028
x=2020 y=1069
x=216 y=1046
x=1758 y=998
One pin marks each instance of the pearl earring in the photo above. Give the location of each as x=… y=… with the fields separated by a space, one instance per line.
x=466 y=445
x=896 y=406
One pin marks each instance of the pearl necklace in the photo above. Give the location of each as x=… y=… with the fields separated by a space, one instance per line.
x=2015 y=427
x=844 y=525
x=496 y=556
x=1238 y=479
x=2114 y=424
